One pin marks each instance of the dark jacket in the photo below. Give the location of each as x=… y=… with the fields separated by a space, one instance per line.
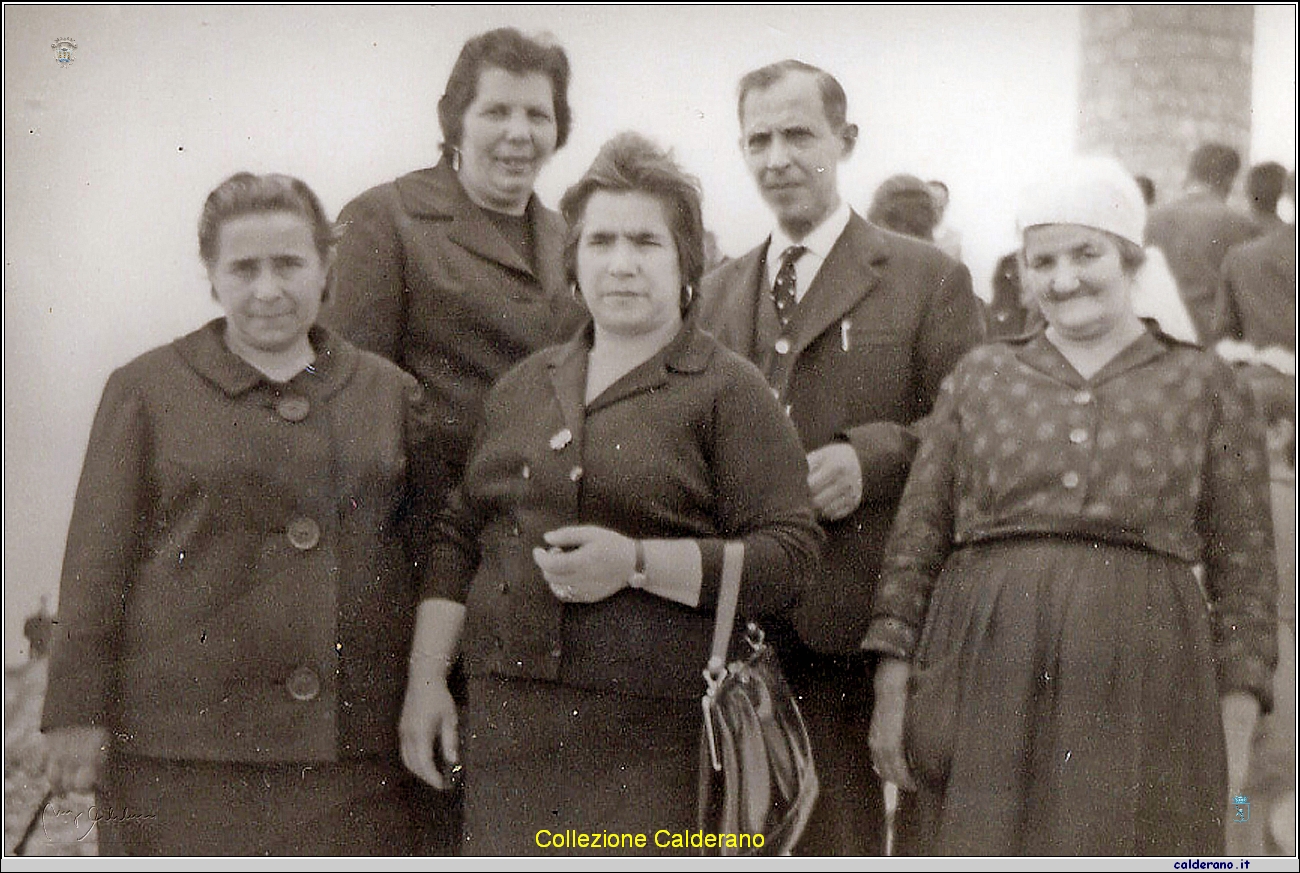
x=883 y=322
x=425 y=279
x=238 y=583
x=1195 y=233
x=1256 y=302
x=688 y=444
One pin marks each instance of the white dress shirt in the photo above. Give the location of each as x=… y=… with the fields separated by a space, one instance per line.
x=819 y=243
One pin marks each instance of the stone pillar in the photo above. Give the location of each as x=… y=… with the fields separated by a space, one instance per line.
x=1157 y=81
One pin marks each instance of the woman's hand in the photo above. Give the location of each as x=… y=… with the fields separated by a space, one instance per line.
x=886 y=738
x=429 y=716
x=74 y=758
x=586 y=564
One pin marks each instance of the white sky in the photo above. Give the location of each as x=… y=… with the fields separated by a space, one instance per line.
x=108 y=160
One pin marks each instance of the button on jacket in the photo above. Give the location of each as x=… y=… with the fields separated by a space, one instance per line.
x=689 y=444
x=425 y=279
x=884 y=320
x=1161 y=450
x=238 y=583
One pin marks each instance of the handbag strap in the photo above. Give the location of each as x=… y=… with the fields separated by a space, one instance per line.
x=733 y=562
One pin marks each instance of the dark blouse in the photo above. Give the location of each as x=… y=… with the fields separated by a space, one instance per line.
x=1161 y=449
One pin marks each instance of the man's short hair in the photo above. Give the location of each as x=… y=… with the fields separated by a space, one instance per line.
x=834 y=102
x=1264 y=184
x=1215 y=164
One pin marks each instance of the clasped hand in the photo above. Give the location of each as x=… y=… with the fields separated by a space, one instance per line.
x=835 y=480
x=586 y=563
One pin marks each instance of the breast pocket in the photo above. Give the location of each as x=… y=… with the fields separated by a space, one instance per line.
x=875 y=369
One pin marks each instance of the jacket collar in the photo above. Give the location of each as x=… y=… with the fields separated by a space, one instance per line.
x=859 y=253
x=688 y=352
x=436 y=194
x=206 y=353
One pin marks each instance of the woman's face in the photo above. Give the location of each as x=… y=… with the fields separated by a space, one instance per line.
x=627 y=264
x=1075 y=275
x=269 y=279
x=508 y=133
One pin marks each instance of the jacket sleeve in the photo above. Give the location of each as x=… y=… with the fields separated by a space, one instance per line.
x=921 y=537
x=761 y=476
x=1236 y=526
x=103 y=549
x=951 y=325
x=367 y=292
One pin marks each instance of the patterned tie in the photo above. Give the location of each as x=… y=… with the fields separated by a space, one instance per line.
x=783 y=287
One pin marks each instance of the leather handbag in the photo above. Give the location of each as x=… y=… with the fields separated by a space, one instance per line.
x=757 y=779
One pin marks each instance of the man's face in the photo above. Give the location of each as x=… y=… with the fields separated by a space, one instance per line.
x=792 y=151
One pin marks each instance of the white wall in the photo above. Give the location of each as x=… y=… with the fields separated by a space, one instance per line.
x=108 y=160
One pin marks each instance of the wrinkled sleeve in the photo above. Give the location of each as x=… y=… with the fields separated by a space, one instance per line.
x=103 y=549
x=761 y=476
x=1235 y=521
x=452 y=540
x=367 y=299
x=921 y=537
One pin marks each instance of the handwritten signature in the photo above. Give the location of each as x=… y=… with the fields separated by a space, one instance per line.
x=82 y=821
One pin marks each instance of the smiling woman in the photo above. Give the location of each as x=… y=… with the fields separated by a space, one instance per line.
x=1077 y=608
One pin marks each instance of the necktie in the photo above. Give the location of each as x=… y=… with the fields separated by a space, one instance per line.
x=783 y=287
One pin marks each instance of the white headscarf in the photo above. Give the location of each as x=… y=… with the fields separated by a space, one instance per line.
x=1098 y=192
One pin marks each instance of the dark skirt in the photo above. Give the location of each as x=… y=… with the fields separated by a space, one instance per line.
x=1064 y=702
x=157 y=807
x=543 y=759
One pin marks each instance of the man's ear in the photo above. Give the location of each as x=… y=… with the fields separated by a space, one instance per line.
x=848 y=138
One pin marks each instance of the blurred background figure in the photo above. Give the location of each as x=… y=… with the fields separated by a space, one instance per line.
x=1155 y=291
x=1010 y=312
x=1195 y=231
x=946 y=237
x=1265 y=184
x=1148 y=188
x=1256 y=302
x=905 y=205
x=714 y=256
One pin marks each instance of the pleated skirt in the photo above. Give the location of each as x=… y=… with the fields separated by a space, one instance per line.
x=1064 y=702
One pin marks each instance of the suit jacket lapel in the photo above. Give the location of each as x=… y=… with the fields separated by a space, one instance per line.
x=734 y=319
x=846 y=277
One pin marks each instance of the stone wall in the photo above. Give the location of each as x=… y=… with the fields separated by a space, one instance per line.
x=1157 y=81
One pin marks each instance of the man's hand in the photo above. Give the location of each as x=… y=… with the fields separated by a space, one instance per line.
x=835 y=480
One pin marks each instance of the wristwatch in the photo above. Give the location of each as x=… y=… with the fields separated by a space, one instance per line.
x=637 y=579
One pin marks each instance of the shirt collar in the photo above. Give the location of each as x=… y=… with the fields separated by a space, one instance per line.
x=819 y=241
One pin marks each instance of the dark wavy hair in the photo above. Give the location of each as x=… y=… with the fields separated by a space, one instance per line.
x=632 y=163
x=245 y=193
x=508 y=49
